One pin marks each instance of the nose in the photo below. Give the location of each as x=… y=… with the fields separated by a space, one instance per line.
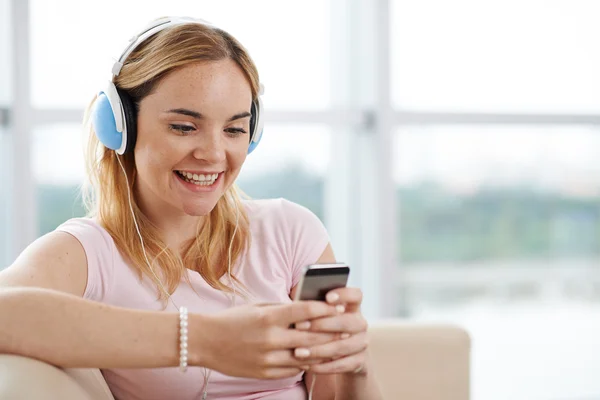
x=210 y=146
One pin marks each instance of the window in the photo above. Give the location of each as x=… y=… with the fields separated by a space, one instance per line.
x=6 y=173
x=501 y=56
x=492 y=194
x=58 y=178
x=495 y=118
x=5 y=54
x=499 y=223
x=290 y=162
x=499 y=231
x=69 y=67
x=5 y=198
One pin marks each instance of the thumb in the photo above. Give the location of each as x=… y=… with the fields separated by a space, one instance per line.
x=299 y=311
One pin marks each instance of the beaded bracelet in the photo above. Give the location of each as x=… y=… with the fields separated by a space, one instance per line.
x=183 y=339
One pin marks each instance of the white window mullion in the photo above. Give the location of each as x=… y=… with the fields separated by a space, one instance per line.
x=338 y=117
x=359 y=195
x=385 y=191
x=338 y=192
x=24 y=216
x=404 y=117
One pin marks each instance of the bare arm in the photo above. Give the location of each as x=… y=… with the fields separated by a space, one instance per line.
x=325 y=386
x=345 y=385
x=55 y=261
x=43 y=316
x=68 y=331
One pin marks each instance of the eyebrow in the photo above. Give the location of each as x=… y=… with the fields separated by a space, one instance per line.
x=197 y=115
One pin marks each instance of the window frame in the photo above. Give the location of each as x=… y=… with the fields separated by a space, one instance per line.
x=362 y=121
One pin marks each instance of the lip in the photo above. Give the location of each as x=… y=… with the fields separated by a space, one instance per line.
x=199 y=188
x=192 y=171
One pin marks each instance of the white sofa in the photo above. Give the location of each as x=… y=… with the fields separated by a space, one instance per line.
x=412 y=361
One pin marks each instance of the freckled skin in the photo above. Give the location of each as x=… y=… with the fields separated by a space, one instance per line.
x=218 y=90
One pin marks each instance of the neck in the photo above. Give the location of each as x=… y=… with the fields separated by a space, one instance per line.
x=175 y=226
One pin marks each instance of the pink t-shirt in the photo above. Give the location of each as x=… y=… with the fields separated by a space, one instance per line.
x=284 y=238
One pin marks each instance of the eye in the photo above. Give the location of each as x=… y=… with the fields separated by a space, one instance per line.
x=234 y=132
x=182 y=130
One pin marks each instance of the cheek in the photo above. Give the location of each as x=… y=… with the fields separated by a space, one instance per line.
x=151 y=164
x=239 y=156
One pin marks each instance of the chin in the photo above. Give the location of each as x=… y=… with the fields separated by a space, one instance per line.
x=199 y=210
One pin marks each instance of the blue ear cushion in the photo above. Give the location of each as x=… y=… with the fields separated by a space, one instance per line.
x=104 y=124
x=253 y=145
x=130 y=112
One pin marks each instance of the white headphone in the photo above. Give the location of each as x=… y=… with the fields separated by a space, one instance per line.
x=114 y=115
x=114 y=122
x=206 y=372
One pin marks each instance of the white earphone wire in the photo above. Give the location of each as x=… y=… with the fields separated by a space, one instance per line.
x=312 y=386
x=237 y=218
x=206 y=372
x=137 y=228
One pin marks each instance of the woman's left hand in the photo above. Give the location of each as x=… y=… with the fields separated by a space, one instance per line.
x=347 y=354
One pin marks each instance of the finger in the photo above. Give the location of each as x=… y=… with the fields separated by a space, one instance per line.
x=286 y=359
x=299 y=311
x=348 y=295
x=291 y=339
x=303 y=326
x=341 y=365
x=337 y=349
x=266 y=304
x=349 y=322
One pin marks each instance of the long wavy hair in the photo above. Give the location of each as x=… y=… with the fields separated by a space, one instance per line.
x=106 y=193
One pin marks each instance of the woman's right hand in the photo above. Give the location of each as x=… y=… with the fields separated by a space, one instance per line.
x=256 y=341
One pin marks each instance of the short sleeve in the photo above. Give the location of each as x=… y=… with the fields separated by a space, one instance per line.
x=307 y=238
x=99 y=251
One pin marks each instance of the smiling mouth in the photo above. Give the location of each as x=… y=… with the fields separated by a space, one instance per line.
x=198 y=179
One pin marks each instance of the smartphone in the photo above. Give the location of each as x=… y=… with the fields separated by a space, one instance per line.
x=318 y=279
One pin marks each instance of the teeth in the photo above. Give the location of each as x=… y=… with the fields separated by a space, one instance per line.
x=199 y=179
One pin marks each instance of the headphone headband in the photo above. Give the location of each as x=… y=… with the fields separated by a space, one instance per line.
x=114 y=116
x=149 y=30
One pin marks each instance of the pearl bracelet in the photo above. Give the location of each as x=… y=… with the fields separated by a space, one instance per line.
x=183 y=339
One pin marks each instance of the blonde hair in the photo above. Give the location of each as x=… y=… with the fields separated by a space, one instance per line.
x=106 y=193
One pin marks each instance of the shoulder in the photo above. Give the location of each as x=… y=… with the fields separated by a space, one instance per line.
x=88 y=231
x=296 y=231
x=100 y=252
x=57 y=260
x=282 y=220
x=279 y=211
x=96 y=241
x=83 y=224
x=67 y=242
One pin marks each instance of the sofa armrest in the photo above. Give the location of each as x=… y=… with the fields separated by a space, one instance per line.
x=417 y=361
x=411 y=361
x=27 y=378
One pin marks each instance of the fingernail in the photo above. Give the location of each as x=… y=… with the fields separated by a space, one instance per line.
x=303 y=326
x=340 y=308
x=345 y=335
x=332 y=297
x=305 y=367
x=359 y=369
x=302 y=353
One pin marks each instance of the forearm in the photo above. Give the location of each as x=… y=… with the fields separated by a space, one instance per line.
x=68 y=331
x=359 y=386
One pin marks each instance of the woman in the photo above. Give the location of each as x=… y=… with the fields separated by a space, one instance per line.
x=167 y=232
